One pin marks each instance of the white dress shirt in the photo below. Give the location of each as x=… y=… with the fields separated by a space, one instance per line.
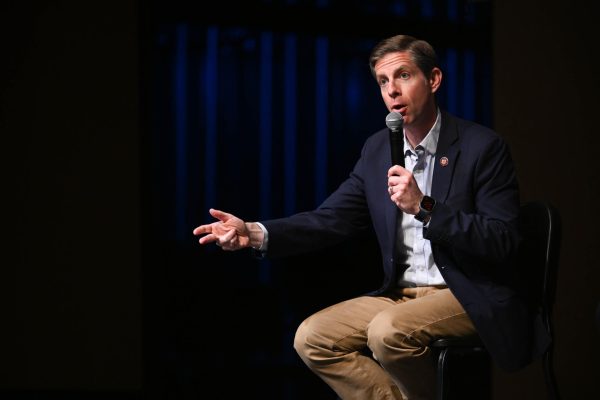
x=418 y=258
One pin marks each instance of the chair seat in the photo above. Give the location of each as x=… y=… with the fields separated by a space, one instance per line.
x=463 y=368
x=467 y=341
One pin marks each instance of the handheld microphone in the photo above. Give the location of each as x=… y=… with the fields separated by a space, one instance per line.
x=394 y=122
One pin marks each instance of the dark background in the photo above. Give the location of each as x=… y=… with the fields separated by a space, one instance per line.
x=122 y=122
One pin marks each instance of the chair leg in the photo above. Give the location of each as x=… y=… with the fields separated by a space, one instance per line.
x=463 y=373
x=549 y=376
x=441 y=385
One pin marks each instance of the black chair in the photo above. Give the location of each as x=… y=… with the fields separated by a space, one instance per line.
x=540 y=226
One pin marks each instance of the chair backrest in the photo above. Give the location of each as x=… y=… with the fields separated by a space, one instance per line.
x=540 y=228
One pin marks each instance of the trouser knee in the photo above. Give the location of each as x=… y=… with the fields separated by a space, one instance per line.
x=301 y=340
x=388 y=343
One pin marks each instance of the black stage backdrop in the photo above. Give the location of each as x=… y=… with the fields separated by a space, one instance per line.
x=123 y=122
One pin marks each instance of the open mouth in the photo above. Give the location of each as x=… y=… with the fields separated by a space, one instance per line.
x=400 y=108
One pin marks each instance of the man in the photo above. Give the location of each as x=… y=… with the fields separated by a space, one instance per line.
x=445 y=221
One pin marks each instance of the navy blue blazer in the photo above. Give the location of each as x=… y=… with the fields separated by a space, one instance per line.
x=473 y=230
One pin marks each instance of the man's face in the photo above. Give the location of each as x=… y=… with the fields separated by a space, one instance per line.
x=405 y=89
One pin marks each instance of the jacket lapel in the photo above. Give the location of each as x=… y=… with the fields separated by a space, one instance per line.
x=445 y=158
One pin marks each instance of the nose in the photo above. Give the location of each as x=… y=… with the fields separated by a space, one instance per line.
x=393 y=89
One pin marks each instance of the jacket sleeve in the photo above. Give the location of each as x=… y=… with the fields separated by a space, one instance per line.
x=342 y=215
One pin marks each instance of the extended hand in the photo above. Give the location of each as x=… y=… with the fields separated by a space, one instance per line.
x=229 y=232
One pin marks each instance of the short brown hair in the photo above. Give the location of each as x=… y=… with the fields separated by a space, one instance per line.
x=420 y=51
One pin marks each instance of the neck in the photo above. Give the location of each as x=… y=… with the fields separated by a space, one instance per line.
x=416 y=132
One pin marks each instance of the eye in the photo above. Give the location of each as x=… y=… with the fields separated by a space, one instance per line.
x=383 y=82
x=404 y=75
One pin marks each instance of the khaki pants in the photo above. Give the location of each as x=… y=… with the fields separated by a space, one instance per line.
x=377 y=347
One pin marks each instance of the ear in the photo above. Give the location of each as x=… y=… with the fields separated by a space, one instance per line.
x=435 y=79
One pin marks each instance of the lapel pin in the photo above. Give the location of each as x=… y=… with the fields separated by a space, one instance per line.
x=444 y=161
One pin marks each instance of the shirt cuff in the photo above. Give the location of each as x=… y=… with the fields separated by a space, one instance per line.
x=265 y=243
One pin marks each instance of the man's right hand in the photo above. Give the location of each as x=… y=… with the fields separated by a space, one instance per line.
x=229 y=232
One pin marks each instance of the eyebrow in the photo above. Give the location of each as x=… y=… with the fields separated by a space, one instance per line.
x=401 y=68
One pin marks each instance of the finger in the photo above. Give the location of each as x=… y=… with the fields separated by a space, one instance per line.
x=207 y=239
x=208 y=228
x=400 y=182
x=397 y=170
x=227 y=237
x=202 y=229
x=393 y=180
x=228 y=241
x=220 y=215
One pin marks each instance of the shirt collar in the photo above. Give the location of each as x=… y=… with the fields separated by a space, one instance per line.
x=430 y=141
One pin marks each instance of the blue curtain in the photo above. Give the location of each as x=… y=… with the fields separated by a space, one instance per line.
x=264 y=117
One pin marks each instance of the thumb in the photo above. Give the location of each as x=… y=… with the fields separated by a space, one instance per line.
x=220 y=215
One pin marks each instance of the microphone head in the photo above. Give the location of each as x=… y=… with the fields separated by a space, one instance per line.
x=394 y=121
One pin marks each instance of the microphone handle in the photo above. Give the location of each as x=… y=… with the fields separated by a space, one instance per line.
x=397 y=145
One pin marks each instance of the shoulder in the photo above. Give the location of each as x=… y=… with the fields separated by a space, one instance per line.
x=465 y=126
x=376 y=141
x=467 y=132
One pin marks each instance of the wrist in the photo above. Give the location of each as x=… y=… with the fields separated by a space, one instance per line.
x=256 y=235
x=426 y=207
